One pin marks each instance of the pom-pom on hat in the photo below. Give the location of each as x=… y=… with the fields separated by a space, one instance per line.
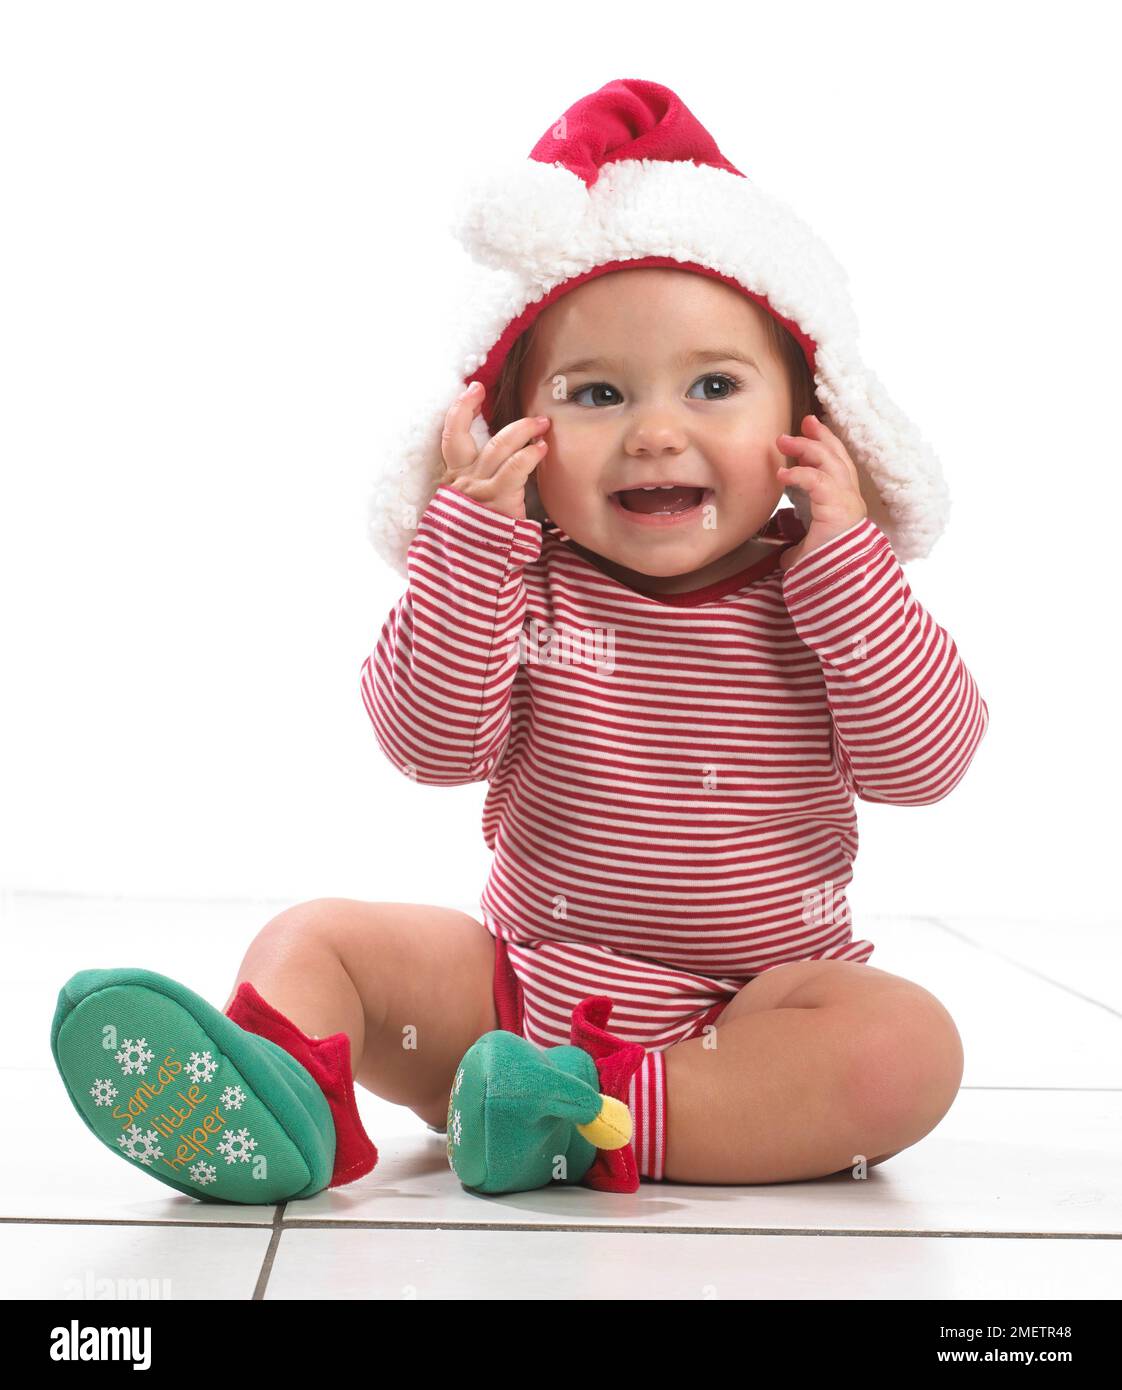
x=628 y=177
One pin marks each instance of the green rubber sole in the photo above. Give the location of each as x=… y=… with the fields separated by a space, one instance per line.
x=173 y=1086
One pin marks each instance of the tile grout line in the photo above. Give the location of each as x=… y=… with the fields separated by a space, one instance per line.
x=270 y=1254
x=299 y=1224
x=138 y=1221
x=942 y=925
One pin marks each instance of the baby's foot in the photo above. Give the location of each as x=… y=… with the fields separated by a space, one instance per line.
x=522 y=1116
x=175 y=1087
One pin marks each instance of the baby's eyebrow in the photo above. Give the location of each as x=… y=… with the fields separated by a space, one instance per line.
x=685 y=359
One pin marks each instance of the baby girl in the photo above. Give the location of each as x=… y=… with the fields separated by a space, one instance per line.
x=675 y=693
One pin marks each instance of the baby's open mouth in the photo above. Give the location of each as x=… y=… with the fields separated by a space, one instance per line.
x=656 y=500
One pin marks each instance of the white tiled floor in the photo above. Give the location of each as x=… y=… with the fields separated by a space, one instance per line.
x=1016 y=1194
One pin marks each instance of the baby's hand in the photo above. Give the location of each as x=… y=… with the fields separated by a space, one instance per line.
x=495 y=475
x=829 y=478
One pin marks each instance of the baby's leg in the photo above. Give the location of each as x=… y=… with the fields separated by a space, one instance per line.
x=814 y=1065
x=410 y=985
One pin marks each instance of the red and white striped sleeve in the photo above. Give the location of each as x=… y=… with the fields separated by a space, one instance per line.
x=907 y=715
x=437 y=685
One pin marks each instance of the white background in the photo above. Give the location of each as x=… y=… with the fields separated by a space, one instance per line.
x=225 y=261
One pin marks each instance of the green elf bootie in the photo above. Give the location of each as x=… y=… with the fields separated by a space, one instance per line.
x=226 y=1107
x=522 y=1116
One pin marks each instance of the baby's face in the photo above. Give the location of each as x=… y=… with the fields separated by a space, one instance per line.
x=667 y=397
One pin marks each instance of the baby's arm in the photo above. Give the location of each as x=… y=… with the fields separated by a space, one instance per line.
x=437 y=685
x=906 y=712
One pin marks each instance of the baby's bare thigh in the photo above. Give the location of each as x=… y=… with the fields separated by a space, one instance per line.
x=425 y=976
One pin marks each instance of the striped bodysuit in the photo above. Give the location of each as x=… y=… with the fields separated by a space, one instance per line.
x=672 y=779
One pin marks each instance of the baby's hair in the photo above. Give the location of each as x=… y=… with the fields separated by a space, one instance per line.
x=507 y=405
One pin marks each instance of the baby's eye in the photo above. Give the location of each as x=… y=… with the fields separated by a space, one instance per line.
x=593 y=386
x=733 y=384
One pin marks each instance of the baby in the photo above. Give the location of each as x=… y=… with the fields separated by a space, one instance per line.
x=675 y=693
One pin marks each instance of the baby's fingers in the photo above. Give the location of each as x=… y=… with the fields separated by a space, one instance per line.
x=518 y=435
x=457 y=446
x=809 y=479
x=514 y=472
x=815 y=455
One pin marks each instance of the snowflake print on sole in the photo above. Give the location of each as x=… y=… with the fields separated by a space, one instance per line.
x=522 y=1116
x=238 y=1107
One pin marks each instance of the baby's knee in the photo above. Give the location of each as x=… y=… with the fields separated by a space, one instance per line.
x=321 y=919
x=910 y=1069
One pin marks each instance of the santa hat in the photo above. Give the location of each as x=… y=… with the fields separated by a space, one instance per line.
x=628 y=177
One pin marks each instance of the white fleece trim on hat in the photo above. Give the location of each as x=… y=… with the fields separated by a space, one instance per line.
x=535 y=227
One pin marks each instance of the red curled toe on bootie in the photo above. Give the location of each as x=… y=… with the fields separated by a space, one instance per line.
x=328 y=1060
x=613 y=1170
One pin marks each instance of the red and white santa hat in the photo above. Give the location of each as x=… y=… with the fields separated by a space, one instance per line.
x=628 y=177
